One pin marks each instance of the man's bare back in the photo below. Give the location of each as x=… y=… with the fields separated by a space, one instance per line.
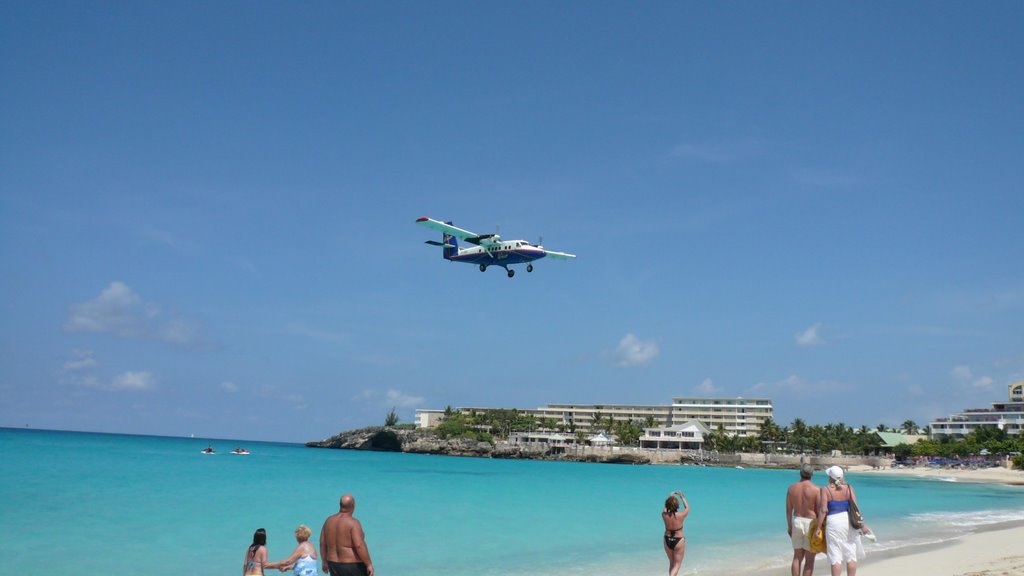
x=802 y=499
x=801 y=508
x=342 y=540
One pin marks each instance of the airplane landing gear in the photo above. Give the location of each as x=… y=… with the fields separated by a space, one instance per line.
x=483 y=268
x=529 y=267
x=511 y=272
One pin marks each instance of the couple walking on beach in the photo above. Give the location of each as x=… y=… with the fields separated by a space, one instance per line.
x=828 y=513
x=342 y=546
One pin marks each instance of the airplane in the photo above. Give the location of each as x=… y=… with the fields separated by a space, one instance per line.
x=489 y=249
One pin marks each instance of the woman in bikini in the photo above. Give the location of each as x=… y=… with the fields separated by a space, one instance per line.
x=674 y=541
x=256 y=555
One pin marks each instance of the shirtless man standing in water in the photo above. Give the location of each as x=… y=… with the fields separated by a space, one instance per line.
x=801 y=508
x=343 y=543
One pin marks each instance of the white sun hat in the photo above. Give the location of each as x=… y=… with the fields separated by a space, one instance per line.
x=835 y=473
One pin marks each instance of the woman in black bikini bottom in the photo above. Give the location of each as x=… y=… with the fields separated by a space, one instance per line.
x=675 y=542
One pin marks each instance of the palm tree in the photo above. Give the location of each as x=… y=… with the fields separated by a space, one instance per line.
x=771 y=434
x=910 y=427
x=392 y=418
x=798 y=433
x=628 y=432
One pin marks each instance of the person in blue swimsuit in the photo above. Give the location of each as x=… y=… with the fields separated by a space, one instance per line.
x=303 y=559
x=674 y=541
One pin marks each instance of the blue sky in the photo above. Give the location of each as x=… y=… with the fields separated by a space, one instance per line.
x=207 y=209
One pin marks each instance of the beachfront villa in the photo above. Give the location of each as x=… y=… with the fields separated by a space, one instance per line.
x=1008 y=416
x=686 y=436
x=558 y=442
x=889 y=441
x=735 y=416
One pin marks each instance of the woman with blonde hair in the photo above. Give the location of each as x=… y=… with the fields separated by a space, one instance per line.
x=835 y=507
x=303 y=559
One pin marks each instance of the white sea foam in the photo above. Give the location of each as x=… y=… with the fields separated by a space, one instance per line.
x=970 y=519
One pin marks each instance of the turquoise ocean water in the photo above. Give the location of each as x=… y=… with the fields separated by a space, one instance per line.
x=113 y=503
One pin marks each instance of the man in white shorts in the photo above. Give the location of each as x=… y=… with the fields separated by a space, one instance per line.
x=801 y=508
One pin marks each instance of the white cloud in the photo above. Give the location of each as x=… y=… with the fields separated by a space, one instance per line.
x=962 y=373
x=80 y=360
x=810 y=337
x=229 y=387
x=708 y=387
x=983 y=382
x=364 y=396
x=391 y=398
x=796 y=384
x=178 y=331
x=133 y=381
x=633 y=352
x=79 y=370
x=119 y=311
x=402 y=400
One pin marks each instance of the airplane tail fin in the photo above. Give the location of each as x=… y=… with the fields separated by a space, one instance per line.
x=449 y=245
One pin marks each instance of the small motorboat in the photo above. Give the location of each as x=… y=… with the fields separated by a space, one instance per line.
x=241 y=451
x=208 y=450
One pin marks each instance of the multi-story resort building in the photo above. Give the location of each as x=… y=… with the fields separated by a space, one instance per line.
x=583 y=416
x=736 y=416
x=429 y=418
x=1008 y=416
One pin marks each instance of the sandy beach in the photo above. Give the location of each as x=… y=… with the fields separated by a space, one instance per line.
x=984 y=475
x=992 y=551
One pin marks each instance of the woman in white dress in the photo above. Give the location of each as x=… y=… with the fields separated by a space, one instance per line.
x=842 y=542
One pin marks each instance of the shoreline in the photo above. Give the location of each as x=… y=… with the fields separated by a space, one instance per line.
x=998 y=475
x=992 y=550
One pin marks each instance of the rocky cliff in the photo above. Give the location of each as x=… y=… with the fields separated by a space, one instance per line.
x=381 y=439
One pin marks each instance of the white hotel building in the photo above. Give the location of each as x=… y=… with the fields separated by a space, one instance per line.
x=1008 y=416
x=736 y=416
